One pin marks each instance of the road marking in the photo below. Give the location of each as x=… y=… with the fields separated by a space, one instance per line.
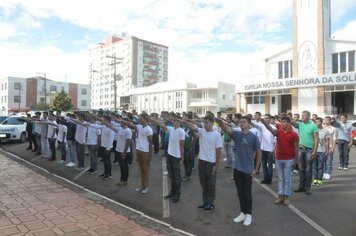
x=103 y=197
x=166 y=212
x=36 y=158
x=81 y=173
x=297 y=211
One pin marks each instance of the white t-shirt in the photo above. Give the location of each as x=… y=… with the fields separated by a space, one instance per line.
x=51 y=131
x=175 y=135
x=92 y=134
x=80 y=133
x=267 y=142
x=257 y=132
x=142 y=143
x=62 y=133
x=122 y=135
x=332 y=134
x=208 y=143
x=116 y=125
x=107 y=137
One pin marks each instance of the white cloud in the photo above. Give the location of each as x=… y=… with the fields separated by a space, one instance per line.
x=58 y=65
x=7 y=30
x=347 y=33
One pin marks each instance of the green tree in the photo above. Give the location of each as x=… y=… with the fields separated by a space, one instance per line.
x=41 y=106
x=61 y=102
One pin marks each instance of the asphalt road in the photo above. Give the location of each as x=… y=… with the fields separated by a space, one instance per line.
x=330 y=210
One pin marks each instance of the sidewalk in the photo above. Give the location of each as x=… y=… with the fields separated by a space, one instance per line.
x=32 y=205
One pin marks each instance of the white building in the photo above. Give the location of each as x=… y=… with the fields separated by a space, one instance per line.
x=23 y=94
x=184 y=96
x=138 y=63
x=316 y=74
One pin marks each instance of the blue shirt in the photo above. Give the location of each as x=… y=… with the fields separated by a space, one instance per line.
x=245 y=147
x=344 y=130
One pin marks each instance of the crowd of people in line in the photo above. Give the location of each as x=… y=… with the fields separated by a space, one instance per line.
x=289 y=142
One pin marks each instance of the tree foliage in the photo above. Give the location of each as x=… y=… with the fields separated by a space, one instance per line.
x=61 y=102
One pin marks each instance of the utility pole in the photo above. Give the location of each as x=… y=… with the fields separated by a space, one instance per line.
x=45 y=86
x=115 y=77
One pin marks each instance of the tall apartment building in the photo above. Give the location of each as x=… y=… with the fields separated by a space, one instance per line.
x=138 y=63
x=22 y=94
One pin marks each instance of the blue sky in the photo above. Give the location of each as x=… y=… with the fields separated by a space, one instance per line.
x=207 y=39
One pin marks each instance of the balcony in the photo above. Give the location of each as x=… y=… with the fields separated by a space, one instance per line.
x=197 y=102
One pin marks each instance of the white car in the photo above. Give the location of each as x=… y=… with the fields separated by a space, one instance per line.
x=13 y=129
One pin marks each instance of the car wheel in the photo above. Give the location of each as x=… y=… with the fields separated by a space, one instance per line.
x=23 y=137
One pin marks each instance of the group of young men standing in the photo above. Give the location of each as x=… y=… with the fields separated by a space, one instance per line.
x=287 y=141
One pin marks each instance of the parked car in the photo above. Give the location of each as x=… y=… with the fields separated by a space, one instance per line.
x=13 y=129
x=2 y=118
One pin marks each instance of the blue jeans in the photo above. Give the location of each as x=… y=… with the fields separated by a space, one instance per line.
x=267 y=161
x=62 y=148
x=329 y=163
x=227 y=149
x=284 y=170
x=72 y=151
x=305 y=168
x=344 y=150
x=318 y=166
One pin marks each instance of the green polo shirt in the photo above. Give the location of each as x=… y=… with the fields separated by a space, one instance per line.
x=306 y=133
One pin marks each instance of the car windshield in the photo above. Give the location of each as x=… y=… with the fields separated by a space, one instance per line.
x=2 y=118
x=12 y=121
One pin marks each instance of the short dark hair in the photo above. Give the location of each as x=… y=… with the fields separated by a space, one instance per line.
x=319 y=119
x=238 y=115
x=328 y=117
x=344 y=114
x=258 y=113
x=268 y=115
x=246 y=118
x=306 y=112
x=286 y=118
x=209 y=118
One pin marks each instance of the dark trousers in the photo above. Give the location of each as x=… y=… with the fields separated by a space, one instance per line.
x=188 y=156
x=267 y=165
x=38 y=142
x=155 y=141
x=207 y=181
x=93 y=157
x=107 y=161
x=344 y=151
x=30 y=140
x=52 y=147
x=124 y=165
x=174 y=174
x=62 y=148
x=305 y=168
x=80 y=154
x=243 y=184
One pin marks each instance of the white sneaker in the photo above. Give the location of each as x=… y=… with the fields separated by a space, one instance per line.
x=248 y=220
x=71 y=164
x=240 y=218
x=345 y=168
x=165 y=173
x=144 y=190
x=60 y=162
x=327 y=176
x=324 y=176
x=139 y=189
x=341 y=168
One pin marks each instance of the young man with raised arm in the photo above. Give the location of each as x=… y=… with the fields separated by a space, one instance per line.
x=175 y=156
x=247 y=148
x=210 y=145
x=286 y=156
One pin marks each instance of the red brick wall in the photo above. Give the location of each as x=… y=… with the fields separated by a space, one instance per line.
x=31 y=93
x=73 y=93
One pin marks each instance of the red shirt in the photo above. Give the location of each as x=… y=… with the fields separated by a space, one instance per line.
x=285 y=143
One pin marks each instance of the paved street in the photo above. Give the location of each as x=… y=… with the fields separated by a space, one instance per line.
x=328 y=211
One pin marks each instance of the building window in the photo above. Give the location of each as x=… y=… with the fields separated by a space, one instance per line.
x=280 y=70
x=17 y=86
x=223 y=96
x=17 y=99
x=335 y=61
x=169 y=97
x=84 y=91
x=273 y=100
x=53 y=88
x=351 y=61
x=342 y=62
x=84 y=103
x=286 y=69
x=255 y=98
